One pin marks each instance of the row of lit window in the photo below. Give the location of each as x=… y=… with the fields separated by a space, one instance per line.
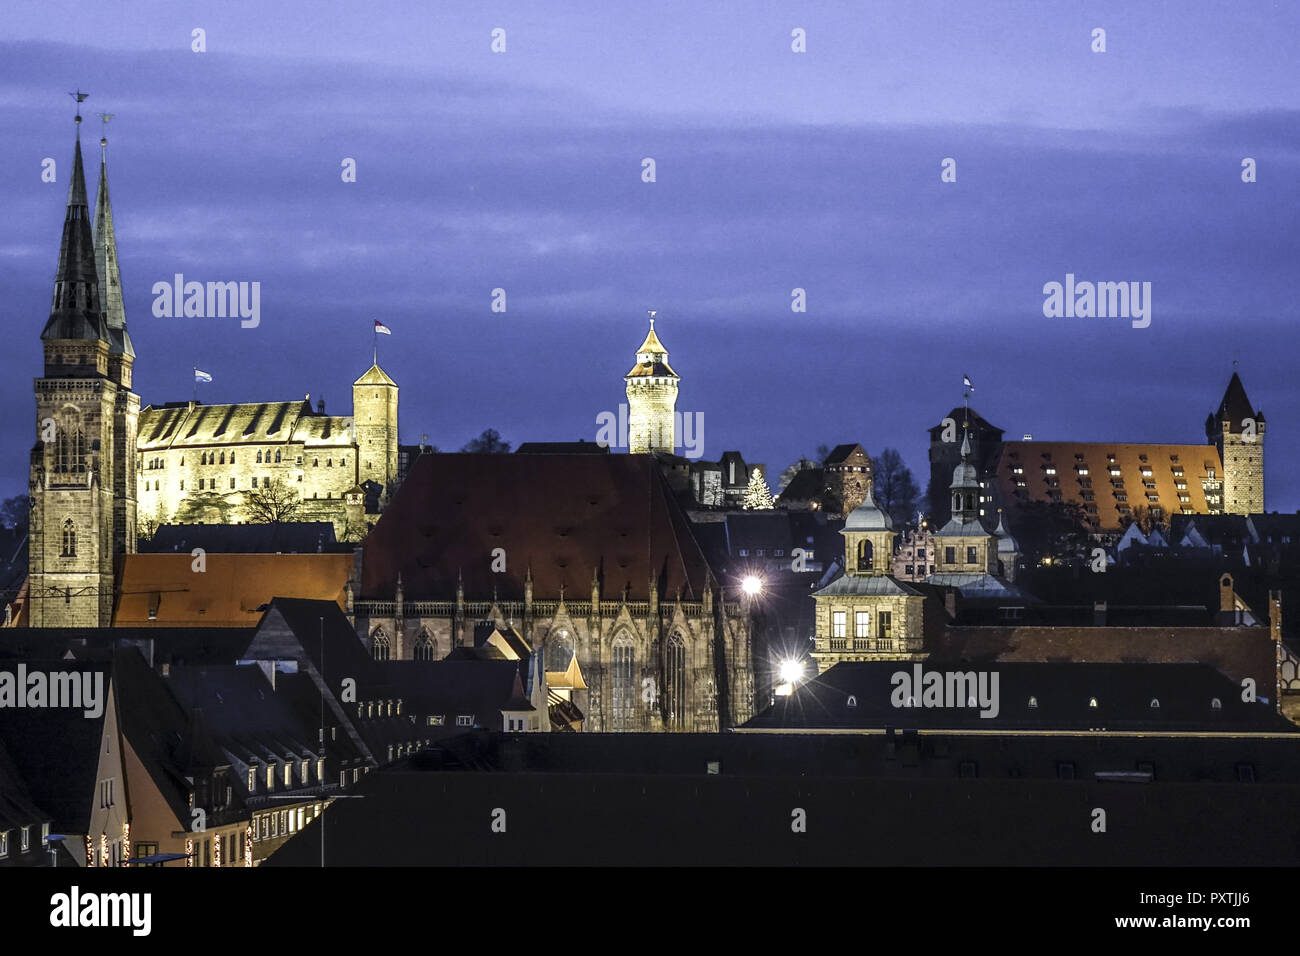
x=862 y=623
x=762 y=552
x=219 y=458
x=24 y=839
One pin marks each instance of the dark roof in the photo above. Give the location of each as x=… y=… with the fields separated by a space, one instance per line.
x=978 y=424
x=1235 y=406
x=56 y=749
x=77 y=269
x=1030 y=696
x=297 y=537
x=453 y=687
x=579 y=447
x=159 y=645
x=344 y=654
x=611 y=515
x=807 y=484
x=841 y=452
x=769 y=530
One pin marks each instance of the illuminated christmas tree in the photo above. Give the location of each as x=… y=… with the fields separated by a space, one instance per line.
x=758 y=496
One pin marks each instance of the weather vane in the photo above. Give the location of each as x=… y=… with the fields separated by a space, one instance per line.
x=79 y=97
x=652 y=312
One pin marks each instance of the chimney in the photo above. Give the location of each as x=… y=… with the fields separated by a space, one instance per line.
x=320 y=406
x=1098 y=613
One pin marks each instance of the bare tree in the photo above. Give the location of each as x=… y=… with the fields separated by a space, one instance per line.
x=895 y=488
x=489 y=442
x=273 y=503
x=15 y=512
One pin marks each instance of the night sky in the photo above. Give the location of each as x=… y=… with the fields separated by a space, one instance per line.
x=522 y=170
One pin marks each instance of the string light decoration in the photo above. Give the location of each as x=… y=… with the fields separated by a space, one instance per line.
x=103 y=849
x=126 y=843
x=216 y=850
x=90 y=851
x=248 y=846
x=189 y=853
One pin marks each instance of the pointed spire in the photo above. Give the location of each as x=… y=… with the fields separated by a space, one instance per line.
x=106 y=268
x=75 y=312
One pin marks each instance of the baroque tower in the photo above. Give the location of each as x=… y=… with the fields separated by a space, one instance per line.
x=82 y=466
x=651 y=398
x=1238 y=433
x=374 y=422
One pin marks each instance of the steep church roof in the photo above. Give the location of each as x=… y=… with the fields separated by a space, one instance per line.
x=75 y=311
x=564 y=517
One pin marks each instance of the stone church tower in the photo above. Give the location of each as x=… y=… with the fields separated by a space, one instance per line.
x=651 y=398
x=374 y=422
x=82 y=479
x=1238 y=432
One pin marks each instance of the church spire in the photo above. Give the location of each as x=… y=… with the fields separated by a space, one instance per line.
x=110 y=279
x=75 y=311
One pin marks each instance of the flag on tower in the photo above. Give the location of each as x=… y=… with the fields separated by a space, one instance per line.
x=965 y=380
x=201 y=376
x=382 y=329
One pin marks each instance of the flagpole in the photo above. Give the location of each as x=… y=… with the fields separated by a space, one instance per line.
x=374 y=343
x=195 y=371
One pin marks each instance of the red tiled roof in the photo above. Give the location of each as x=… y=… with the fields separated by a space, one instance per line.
x=1034 y=458
x=564 y=516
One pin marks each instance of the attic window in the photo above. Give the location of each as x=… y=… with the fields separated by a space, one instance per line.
x=852 y=701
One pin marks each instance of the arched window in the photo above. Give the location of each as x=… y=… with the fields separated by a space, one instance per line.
x=1155 y=703
x=1033 y=703
x=558 y=653
x=254 y=481
x=424 y=647
x=232 y=458
x=1092 y=702
x=1216 y=704
x=69 y=539
x=259 y=456
x=864 y=555
x=676 y=696
x=852 y=701
x=70 y=443
x=623 y=702
x=379 y=645
x=223 y=457
x=277 y=456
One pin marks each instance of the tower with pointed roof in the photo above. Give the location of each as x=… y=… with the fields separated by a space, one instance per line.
x=963 y=546
x=83 y=462
x=651 y=398
x=374 y=422
x=1236 y=429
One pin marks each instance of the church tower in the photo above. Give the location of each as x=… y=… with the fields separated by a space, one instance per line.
x=651 y=398
x=83 y=512
x=374 y=421
x=1238 y=433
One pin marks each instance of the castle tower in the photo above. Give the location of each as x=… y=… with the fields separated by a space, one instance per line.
x=1238 y=433
x=121 y=359
x=963 y=546
x=651 y=398
x=374 y=421
x=83 y=403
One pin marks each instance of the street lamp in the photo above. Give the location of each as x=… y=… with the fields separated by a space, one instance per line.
x=791 y=672
x=752 y=585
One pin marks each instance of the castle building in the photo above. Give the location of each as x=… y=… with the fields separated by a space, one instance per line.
x=1109 y=483
x=211 y=463
x=866 y=613
x=651 y=398
x=81 y=482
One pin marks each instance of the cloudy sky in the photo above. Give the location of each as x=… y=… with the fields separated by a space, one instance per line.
x=775 y=170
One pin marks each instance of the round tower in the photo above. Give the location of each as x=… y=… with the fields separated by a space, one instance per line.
x=651 y=398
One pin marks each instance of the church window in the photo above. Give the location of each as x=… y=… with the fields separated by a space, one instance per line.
x=862 y=623
x=203 y=460
x=839 y=623
x=382 y=648
x=70 y=445
x=424 y=647
x=623 y=701
x=259 y=456
x=277 y=456
x=69 y=539
x=675 y=673
x=223 y=457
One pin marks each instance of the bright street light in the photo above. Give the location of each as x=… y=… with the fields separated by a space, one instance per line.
x=752 y=585
x=791 y=671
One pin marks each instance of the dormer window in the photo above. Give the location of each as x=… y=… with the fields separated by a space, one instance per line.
x=852 y=701
x=1033 y=703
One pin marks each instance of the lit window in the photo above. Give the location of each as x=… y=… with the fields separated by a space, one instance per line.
x=465 y=720
x=839 y=623
x=252 y=779
x=861 y=624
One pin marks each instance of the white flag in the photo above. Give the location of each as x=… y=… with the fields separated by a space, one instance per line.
x=201 y=376
x=965 y=380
